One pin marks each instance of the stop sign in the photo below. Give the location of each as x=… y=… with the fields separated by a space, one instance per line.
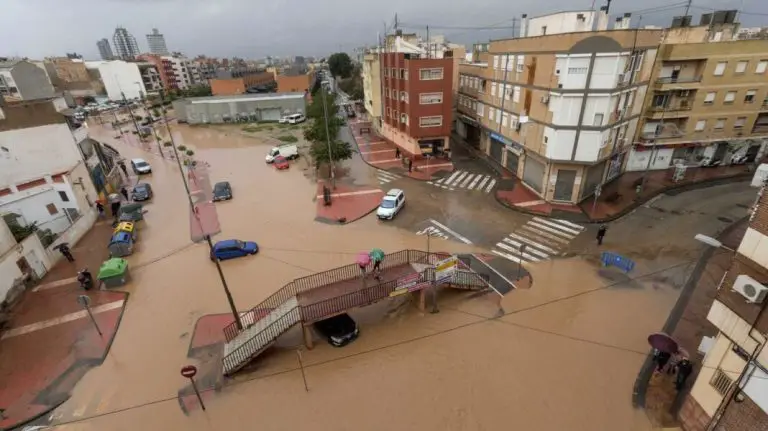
x=188 y=371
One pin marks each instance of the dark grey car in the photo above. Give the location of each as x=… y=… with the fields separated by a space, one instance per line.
x=141 y=192
x=222 y=191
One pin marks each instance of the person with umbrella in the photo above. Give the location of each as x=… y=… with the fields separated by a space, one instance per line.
x=377 y=255
x=363 y=259
x=65 y=251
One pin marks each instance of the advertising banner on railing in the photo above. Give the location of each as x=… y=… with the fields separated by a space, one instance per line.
x=404 y=284
x=445 y=269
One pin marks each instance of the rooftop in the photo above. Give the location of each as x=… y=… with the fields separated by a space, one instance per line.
x=245 y=98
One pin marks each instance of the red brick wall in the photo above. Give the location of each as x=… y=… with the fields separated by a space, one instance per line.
x=759 y=221
x=31 y=184
x=743 y=416
x=227 y=87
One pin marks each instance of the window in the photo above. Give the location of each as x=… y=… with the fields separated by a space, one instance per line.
x=721 y=382
x=430 y=98
x=404 y=96
x=520 y=63
x=402 y=74
x=394 y=72
x=730 y=97
x=491 y=113
x=480 y=109
x=63 y=196
x=431 y=74
x=749 y=97
x=761 y=66
x=404 y=118
x=389 y=112
x=577 y=70
x=516 y=94
x=710 y=98
x=498 y=116
x=700 y=125
x=598 y=120
x=509 y=62
x=504 y=119
x=720 y=68
x=52 y=209
x=739 y=123
x=720 y=124
x=507 y=91
x=493 y=89
x=741 y=66
x=496 y=61
x=433 y=121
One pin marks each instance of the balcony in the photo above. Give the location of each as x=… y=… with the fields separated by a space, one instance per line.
x=469 y=112
x=666 y=130
x=680 y=82
x=672 y=111
x=469 y=91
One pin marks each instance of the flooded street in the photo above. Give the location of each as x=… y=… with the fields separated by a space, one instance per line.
x=564 y=356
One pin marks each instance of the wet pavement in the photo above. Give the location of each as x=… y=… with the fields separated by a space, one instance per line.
x=565 y=355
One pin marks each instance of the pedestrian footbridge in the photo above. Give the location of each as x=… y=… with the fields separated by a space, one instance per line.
x=322 y=295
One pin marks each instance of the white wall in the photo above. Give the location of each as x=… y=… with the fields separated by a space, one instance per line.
x=31 y=206
x=35 y=152
x=574 y=70
x=565 y=109
x=590 y=143
x=7 y=241
x=598 y=104
x=559 y=143
x=754 y=245
x=120 y=76
x=606 y=70
x=563 y=22
x=638 y=160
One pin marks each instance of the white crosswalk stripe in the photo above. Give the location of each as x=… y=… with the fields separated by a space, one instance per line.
x=463 y=180
x=537 y=240
x=385 y=177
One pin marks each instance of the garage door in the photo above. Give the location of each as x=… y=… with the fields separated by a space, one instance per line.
x=497 y=149
x=594 y=177
x=270 y=114
x=512 y=162
x=533 y=173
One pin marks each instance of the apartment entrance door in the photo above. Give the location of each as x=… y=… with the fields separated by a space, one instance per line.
x=564 y=184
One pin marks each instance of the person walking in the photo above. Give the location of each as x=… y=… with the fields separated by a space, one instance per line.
x=124 y=192
x=121 y=163
x=661 y=360
x=397 y=152
x=410 y=165
x=684 y=369
x=601 y=234
x=64 y=249
x=100 y=208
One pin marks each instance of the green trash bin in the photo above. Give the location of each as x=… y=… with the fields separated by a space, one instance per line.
x=114 y=272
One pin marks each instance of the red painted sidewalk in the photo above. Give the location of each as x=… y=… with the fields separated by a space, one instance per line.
x=381 y=153
x=39 y=366
x=348 y=203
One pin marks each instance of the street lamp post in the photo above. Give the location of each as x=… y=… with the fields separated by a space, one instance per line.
x=230 y=300
x=323 y=95
x=434 y=285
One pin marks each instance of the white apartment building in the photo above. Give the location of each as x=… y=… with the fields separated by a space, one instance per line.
x=156 y=42
x=182 y=69
x=120 y=77
x=558 y=106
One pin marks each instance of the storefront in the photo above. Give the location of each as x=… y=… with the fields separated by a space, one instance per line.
x=469 y=129
x=533 y=174
x=497 y=147
x=592 y=179
x=432 y=147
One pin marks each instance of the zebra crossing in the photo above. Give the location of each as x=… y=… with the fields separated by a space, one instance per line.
x=385 y=177
x=466 y=181
x=537 y=240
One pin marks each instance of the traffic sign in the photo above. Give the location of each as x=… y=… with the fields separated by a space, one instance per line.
x=189 y=371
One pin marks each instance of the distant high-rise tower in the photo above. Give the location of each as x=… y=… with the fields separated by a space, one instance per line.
x=156 y=42
x=125 y=44
x=105 y=51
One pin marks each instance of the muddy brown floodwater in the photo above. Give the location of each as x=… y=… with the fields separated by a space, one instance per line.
x=566 y=365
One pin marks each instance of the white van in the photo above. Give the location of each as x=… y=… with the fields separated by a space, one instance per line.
x=293 y=119
x=288 y=151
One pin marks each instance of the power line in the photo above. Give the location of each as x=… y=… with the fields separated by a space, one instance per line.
x=742 y=12
x=483 y=319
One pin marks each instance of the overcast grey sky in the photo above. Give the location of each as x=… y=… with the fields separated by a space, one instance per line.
x=254 y=29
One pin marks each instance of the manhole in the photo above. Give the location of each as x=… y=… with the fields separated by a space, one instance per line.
x=725 y=219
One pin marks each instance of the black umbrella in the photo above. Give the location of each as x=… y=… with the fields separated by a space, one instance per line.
x=63 y=244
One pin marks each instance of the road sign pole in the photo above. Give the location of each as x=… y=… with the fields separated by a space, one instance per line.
x=189 y=371
x=520 y=264
x=301 y=365
x=598 y=190
x=85 y=301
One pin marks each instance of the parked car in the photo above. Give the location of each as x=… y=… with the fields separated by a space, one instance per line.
x=289 y=151
x=222 y=191
x=281 y=163
x=391 y=204
x=339 y=330
x=232 y=248
x=140 y=166
x=141 y=192
x=292 y=119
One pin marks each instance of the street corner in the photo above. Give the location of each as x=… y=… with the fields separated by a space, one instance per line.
x=347 y=203
x=205 y=353
x=513 y=194
x=42 y=361
x=430 y=169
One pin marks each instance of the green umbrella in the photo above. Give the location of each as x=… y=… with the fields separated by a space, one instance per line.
x=377 y=254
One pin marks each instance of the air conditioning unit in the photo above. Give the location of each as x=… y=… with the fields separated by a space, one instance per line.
x=518 y=126
x=621 y=78
x=750 y=289
x=545 y=99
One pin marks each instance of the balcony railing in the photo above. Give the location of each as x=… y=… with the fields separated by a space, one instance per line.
x=678 y=107
x=760 y=129
x=678 y=80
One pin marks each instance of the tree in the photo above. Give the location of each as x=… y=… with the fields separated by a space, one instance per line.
x=315 y=109
x=319 y=135
x=339 y=149
x=340 y=65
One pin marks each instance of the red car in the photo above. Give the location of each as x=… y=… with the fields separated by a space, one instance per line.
x=281 y=163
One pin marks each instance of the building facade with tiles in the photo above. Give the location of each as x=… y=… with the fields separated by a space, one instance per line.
x=558 y=106
x=731 y=389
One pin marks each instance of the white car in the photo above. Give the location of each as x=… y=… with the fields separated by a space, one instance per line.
x=289 y=151
x=391 y=204
x=292 y=119
x=140 y=166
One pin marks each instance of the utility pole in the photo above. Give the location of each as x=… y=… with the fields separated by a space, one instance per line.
x=429 y=45
x=231 y=300
x=687 y=7
x=130 y=112
x=323 y=95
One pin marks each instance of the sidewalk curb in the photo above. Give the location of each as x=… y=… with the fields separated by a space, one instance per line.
x=405 y=174
x=675 y=315
x=336 y=222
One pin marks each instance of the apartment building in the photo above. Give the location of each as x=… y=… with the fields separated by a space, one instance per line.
x=105 y=50
x=558 y=107
x=133 y=80
x=23 y=80
x=709 y=98
x=156 y=43
x=731 y=389
x=417 y=96
x=372 y=88
x=125 y=44
x=295 y=80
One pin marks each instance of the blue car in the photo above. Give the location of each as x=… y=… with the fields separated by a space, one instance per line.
x=232 y=248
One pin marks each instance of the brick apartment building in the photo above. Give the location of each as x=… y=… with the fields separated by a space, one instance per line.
x=417 y=101
x=293 y=81
x=234 y=85
x=731 y=389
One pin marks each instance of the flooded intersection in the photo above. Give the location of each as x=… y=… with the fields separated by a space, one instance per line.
x=548 y=364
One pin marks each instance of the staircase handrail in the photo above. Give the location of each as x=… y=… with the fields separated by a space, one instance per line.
x=268 y=334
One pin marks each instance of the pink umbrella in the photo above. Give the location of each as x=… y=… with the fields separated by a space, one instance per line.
x=363 y=258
